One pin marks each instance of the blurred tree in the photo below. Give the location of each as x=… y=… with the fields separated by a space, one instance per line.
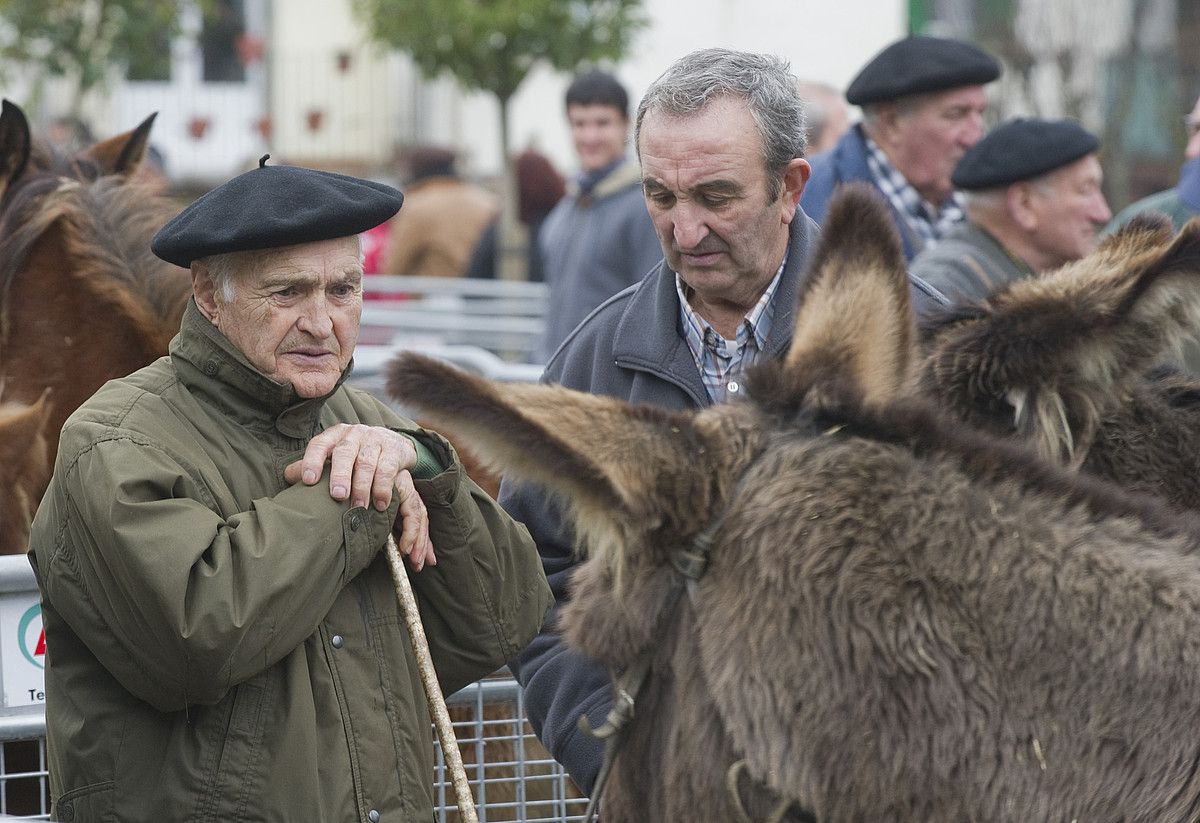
x=492 y=45
x=87 y=41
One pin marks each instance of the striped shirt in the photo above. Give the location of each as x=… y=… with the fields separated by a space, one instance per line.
x=929 y=222
x=721 y=362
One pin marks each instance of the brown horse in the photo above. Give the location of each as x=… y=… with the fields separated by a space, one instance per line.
x=82 y=298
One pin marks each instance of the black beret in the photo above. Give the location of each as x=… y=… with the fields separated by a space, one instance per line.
x=273 y=206
x=1022 y=149
x=919 y=64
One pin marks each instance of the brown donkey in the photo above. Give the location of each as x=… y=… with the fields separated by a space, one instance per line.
x=1066 y=362
x=901 y=618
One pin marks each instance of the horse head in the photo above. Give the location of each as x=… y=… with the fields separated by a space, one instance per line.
x=82 y=298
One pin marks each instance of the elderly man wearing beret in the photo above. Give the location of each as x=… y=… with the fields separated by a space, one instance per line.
x=1033 y=203
x=923 y=101
x=223 y=637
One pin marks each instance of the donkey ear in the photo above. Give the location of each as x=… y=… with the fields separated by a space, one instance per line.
x=121 y=155
x=1099 y=320
x=854 y=323
x=14 y=144
x=601 y=453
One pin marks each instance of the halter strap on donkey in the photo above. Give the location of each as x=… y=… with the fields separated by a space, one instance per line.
x=691 y=565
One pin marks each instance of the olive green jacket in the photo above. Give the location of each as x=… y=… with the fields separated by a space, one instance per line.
x=224 y=647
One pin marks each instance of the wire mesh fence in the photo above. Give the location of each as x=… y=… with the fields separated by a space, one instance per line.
x=513 y=778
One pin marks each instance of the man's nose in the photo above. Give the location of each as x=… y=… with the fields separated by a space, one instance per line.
x=972 y=132
x=1193 y=146
x=316 y=319
x=689 y=225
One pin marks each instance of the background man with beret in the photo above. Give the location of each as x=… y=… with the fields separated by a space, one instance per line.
x=923 y=102
x=223 y=636
x=1033 y=203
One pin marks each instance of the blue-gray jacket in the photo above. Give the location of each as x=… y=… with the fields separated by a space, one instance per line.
x=592 y=247
x=631 y=347
x=846 y=162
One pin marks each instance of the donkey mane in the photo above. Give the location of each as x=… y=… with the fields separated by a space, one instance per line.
x=925 y=430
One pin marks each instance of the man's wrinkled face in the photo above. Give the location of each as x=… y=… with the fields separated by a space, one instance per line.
x=1071 y=209
x=721 y=227
x=599 y=132
x=294 y=313
x=924 y=138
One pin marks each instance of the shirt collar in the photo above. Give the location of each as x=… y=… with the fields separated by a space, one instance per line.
x=931 y=221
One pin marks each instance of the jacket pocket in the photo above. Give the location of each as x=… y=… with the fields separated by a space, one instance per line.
x=85 y=804
x=237 y=778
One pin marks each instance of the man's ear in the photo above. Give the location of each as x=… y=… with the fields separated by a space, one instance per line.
x=795 y=177
x=1018 y=198
x=885 y=121
x=204 y=289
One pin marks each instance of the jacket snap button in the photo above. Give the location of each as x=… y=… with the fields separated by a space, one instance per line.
x=337 y=641
x=373 y=816
x=356 y=521
x=210 y=368
x=66 y=813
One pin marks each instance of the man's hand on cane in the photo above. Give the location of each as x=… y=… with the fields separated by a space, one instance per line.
x=368 y=463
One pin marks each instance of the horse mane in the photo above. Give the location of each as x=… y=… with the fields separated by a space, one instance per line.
x=105 y=222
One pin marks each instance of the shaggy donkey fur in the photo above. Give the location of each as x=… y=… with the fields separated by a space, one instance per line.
x=902 y=620
x=1065 y=362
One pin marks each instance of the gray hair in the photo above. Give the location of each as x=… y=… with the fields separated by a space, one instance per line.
x=225 y=268
x=763 y=81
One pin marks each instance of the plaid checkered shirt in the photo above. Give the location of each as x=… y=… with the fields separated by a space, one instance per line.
x=720 y=361
x=930 y=223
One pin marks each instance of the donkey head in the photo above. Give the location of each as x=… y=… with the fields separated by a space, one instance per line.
x=1048 y=358
x=642 y=483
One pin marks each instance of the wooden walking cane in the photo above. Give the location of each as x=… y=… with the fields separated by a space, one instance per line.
x=433 y=692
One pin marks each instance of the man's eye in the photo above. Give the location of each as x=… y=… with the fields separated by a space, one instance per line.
x=714 y=202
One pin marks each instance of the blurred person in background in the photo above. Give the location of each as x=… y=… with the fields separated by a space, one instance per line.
x=442 y=220
x=1033 y=203
x=923 y=101
x=539 y=188
x=1182 y=202
x=826 y=115
x=599 y=238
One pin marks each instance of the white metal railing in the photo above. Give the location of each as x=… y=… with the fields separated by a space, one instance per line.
x=505 y=317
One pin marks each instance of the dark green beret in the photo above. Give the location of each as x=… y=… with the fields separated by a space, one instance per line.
x=274 y=206
x=918 y=64
x=1020 y=150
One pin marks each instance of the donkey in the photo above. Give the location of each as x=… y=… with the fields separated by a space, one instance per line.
x=1067 y=362
x=901 y=618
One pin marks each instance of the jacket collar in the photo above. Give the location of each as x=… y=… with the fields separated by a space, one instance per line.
x=214 y=369
x=648 y=335
x=623 y=175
